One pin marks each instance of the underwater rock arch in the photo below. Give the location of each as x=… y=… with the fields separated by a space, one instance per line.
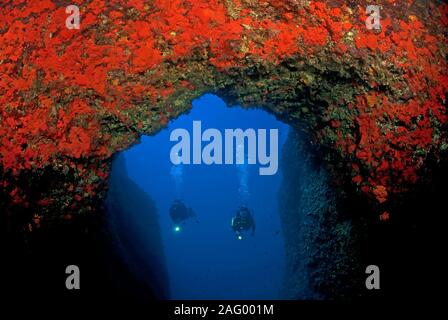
x=374 y=101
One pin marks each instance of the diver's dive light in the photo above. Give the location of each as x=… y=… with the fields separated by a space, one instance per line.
x=240 y=238
x=176 y=228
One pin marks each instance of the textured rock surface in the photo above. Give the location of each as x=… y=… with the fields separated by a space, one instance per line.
x=120 y=255
x=131 y=208
x=375 y=101
x=321 y=238
x=69 y=99
x=331 y=234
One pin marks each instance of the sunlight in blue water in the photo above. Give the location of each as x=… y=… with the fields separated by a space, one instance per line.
x=205 y=259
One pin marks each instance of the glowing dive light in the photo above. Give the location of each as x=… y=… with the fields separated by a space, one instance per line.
x=240 y=238
x=176 y=229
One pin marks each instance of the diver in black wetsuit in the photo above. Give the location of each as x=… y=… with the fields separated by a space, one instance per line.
x=179 y=213
x=243 y=221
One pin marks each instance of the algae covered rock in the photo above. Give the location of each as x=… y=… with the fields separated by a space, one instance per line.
x=373 y=100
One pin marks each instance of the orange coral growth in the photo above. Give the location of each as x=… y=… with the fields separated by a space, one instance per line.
x=385 y=216
x=380 y=193
x=57 y=84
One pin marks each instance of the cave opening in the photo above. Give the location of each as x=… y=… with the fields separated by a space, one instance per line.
x=202 y=257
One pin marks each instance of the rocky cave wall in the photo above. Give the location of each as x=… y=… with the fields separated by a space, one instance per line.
x=330 y=239
x=71 y=98
x=321 y=235
x=374 y=101
x=133 y=222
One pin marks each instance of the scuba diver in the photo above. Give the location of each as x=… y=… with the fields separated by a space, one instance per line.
x=179 y=213
x=243 y=221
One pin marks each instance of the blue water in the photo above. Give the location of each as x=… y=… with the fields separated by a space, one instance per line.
x=204 y=259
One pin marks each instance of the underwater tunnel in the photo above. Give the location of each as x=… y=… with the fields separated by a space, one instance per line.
x=203 y=257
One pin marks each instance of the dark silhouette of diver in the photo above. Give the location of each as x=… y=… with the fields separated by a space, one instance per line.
x=243 y=221
x=179 y=213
